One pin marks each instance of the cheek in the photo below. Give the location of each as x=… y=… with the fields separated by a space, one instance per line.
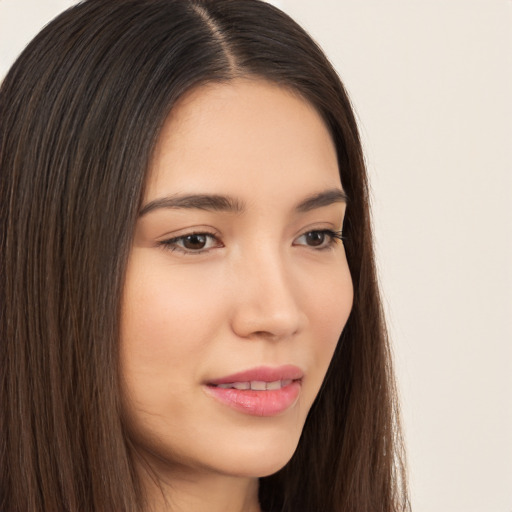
x=161 y=306
x=330 y=301
x=329 y=305
x=341 y=302
x=167 y=321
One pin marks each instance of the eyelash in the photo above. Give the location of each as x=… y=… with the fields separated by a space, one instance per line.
x=172 y=244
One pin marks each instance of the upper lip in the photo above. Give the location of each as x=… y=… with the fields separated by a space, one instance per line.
x=263 y=374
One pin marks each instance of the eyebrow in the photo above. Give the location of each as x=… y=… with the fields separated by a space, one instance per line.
x=221 y=203
x=325 y=198
x=209 y=202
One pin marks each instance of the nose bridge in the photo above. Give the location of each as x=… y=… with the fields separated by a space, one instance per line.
x=266 y=296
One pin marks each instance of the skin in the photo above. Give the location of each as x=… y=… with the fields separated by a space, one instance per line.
x=255 y=291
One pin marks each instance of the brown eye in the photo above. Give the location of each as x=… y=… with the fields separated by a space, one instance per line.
x=319 y=238
x=194 y=242
x=315 y=238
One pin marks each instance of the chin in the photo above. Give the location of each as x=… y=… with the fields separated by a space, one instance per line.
x=258 y=459
x=248 y=451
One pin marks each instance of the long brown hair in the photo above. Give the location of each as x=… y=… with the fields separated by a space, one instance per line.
x=80 y=112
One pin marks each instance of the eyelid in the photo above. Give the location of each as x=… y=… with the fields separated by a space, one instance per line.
x=172 y=244
x=335 y=236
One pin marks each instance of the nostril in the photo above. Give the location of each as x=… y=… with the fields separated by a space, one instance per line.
x=265 y=334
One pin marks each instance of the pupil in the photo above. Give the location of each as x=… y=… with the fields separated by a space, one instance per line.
x=315 y=238
x=194 y=241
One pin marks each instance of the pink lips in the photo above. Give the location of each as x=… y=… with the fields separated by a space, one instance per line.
x=262 y=391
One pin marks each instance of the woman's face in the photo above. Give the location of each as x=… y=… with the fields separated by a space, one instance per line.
x=237 y=288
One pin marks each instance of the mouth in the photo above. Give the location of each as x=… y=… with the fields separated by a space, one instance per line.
x=260 y=375
x=255 y=385
x=261 y=391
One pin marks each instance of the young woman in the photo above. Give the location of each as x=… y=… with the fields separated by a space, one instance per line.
x=190 y=318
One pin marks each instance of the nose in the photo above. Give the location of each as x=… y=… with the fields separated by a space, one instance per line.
x=266 y=298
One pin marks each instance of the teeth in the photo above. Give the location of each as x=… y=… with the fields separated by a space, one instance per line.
x=274 y=385
x=256 y=385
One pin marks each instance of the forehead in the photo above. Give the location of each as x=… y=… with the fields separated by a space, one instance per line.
x=223 y=137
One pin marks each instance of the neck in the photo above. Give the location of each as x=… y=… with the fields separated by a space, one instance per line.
x=200 y=491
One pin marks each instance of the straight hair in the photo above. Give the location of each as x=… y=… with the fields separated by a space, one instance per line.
x=80 y=113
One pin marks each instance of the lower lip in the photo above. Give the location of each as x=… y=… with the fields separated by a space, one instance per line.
x=258 y=403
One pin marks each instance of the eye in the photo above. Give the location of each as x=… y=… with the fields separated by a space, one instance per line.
x=319 y=238
x=192 y=243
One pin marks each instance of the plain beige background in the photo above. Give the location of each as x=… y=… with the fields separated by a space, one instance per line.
x=431 y=82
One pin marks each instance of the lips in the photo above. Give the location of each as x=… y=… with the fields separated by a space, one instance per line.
x=262 y=374
x=262 y=391
x=256 y=385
